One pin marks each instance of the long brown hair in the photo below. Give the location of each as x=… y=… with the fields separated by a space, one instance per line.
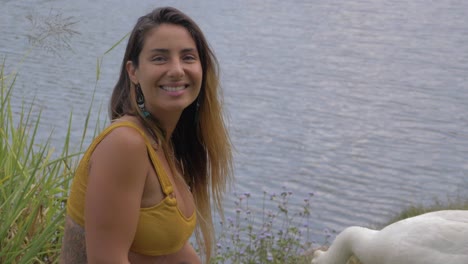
x=200 y=140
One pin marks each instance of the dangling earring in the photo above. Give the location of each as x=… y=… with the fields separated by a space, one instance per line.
x=141 y=100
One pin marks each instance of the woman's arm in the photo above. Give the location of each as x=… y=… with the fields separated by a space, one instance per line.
x=118 y=170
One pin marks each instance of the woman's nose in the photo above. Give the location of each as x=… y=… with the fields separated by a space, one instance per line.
x=176 y=70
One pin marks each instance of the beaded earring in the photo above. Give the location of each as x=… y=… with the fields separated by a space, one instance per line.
x=141 y=100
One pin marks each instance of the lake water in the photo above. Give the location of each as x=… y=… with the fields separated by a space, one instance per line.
x=362 y=103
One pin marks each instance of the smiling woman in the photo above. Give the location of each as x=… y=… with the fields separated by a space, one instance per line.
x=146 y=178
x=169 y=72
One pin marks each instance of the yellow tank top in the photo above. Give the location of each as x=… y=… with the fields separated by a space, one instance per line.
x=162 y=229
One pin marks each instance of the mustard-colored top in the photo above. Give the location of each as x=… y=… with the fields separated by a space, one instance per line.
x=162 y=229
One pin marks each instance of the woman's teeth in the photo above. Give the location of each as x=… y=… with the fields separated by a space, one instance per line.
x=173 y=89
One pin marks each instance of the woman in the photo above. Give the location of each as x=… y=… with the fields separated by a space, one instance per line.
x=148 y=178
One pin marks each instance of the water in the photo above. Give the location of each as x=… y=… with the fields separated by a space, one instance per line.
x=362 y=103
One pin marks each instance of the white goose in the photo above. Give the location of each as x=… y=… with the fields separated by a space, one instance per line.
x=439 y=237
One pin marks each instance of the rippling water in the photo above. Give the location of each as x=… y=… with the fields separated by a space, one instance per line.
x=363 y=103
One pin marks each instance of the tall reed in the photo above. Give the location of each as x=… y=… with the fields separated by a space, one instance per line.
x=33 y=184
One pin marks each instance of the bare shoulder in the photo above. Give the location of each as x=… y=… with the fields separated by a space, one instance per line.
x=124 y=136
x=73 y=244
x=123 y=149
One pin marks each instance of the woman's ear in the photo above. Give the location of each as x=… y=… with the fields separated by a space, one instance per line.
x=131 y=70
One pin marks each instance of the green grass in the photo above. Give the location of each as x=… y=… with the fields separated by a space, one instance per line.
x=459 y=203
x=33 y=185
x=34 y=178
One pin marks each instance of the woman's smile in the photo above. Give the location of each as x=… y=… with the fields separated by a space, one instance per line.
x=174 y=88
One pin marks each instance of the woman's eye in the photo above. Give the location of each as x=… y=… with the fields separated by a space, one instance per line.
x=189 y=58
x=158 y=59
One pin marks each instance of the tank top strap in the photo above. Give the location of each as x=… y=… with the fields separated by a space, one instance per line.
x=160 y=172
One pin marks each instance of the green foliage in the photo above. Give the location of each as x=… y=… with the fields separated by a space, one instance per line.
x=33 y=186
x=34 y=180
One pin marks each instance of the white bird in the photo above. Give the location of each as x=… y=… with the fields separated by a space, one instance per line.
x=439 y=237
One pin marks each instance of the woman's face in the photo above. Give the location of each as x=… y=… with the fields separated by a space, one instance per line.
x=169 y=70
